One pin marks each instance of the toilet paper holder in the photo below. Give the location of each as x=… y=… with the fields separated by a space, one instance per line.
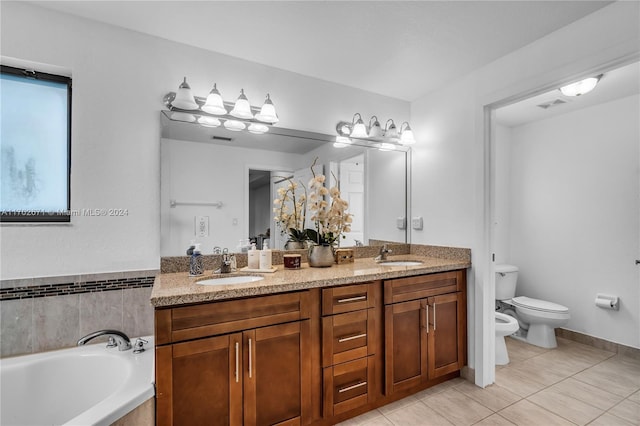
x=607 y=301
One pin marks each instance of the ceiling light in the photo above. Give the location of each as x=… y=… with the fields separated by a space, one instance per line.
x=207 y=121
x=214 y=104
x=234 y=125
x=358 y=130
x=580 y=87
x=267 y=112
x=258 y=128
x=406 y=135
x=242 y=108
x=184 y=98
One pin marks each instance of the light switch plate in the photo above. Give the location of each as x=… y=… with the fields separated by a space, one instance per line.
x=416 y=223
x=401 y=222
x=202 y=226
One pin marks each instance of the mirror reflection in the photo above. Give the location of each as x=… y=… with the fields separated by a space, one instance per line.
x=218 y=186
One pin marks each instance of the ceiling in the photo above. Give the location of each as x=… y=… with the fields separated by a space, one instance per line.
x=401 y=49
x=614 y=84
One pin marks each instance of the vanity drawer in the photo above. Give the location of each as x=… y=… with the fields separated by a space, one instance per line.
x=411 y=288
x=336 y=300
x=348 y=385
x=213 y=318
x=348 y=336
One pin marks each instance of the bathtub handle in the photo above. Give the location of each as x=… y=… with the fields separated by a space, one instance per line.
x=237 y=362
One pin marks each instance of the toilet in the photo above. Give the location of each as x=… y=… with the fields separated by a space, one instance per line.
x=505 y=325
x=537 y=319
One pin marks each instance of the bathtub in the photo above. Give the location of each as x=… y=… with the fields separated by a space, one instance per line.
x=86 y=385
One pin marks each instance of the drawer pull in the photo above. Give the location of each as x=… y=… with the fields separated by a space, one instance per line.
x=346 y=339
x=348 y=388
x=352 y=299
x=236 y=362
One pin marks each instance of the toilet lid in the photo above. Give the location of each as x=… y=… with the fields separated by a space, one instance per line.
x=538 y=305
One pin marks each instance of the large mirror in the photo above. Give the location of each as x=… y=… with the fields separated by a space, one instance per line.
x=218 y=186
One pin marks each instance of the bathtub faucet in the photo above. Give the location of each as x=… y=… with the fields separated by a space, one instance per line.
x=121 y=339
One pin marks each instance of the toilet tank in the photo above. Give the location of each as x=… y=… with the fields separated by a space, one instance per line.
x=506 y=279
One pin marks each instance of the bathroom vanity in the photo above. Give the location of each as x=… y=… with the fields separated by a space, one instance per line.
x=307 y=346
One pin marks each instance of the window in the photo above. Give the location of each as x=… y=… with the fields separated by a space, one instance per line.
x=35 y=142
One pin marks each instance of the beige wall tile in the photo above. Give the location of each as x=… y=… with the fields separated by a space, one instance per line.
x=138 y=312
x=55 y=322
x=16 y=327
x=99 y=311
x=143 y=415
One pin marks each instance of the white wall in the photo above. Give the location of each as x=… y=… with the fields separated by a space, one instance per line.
x=575 y=214
x=119 y=78
x=450 y=176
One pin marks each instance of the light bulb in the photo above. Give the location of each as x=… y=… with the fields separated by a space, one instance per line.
x=258 y=128
x=234 y=125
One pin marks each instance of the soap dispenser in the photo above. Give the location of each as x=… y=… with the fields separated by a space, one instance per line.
x=265 y=257
x=196 y=266
x=253 y=257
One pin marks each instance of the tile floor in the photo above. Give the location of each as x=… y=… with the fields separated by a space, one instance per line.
x=574 y=384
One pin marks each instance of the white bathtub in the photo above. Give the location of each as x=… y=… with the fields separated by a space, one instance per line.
x=87 y=385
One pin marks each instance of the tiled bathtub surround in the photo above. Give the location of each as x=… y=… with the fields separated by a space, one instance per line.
x=40 y=316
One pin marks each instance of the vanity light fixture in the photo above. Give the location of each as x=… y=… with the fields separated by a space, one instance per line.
x=581 y=87
x=213 y=111
x=381 y=138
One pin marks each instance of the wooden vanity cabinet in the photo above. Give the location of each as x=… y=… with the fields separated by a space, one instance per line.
x=256 y=372
x=425 y=328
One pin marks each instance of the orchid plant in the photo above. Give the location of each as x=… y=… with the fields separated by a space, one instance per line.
x=291 y=210
x=331 y=220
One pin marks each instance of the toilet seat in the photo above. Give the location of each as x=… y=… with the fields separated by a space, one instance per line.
x=539 y=305
x=505 y=324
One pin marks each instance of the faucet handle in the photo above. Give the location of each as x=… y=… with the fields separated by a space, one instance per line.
x=139 y=345
x=112 y=342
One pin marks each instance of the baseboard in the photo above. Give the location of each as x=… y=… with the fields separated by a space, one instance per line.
x=599 y=343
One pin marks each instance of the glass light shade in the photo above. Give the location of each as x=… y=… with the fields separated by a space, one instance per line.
x=345 y=129
x=208 y=121
x=580 y=87
x=386 y=147
x=258 y=128
x=234 y=125
x=406 y=135
x=183 y=116
x=359 y=129
x=391 y=131
x=375 y=131
x=214 y=104
x=268 y=112
x=242 y=108
x=341 y=142
x=184 y=98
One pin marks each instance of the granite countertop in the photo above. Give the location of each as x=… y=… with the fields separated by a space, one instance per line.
x=178 y=288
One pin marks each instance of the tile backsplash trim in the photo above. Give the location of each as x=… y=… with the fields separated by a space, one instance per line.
x=47 y=290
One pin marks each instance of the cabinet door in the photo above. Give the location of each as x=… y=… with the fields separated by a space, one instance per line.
x=277 y=376
x=446 y=334
x=405 y=345
x=200 y=382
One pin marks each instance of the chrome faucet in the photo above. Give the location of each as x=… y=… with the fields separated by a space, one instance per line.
x=121 y=339
x=384 y=250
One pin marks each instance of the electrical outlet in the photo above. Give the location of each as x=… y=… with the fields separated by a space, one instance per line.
x=401 y=222
x=416 y=223
x=202 y=226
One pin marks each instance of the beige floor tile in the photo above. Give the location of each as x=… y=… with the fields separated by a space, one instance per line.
x=441 y=387
x=364 y=419
x=635 y=397
x=565 y=406
x=538 y=372
x=582 y=352
x=520 y=351
x=493 y=396
x=611 y=376
x=587 y=393
x=386 y=409
x=608 y=419
x=494 y=420
x=378 y=421
x=627 y=410
x=417 y=414
x=517 y=382
x=456 y=407
x=562 y=362
x=526 y=413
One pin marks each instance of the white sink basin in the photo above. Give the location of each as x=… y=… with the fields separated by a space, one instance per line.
x=231 y=280
x=400 y=263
